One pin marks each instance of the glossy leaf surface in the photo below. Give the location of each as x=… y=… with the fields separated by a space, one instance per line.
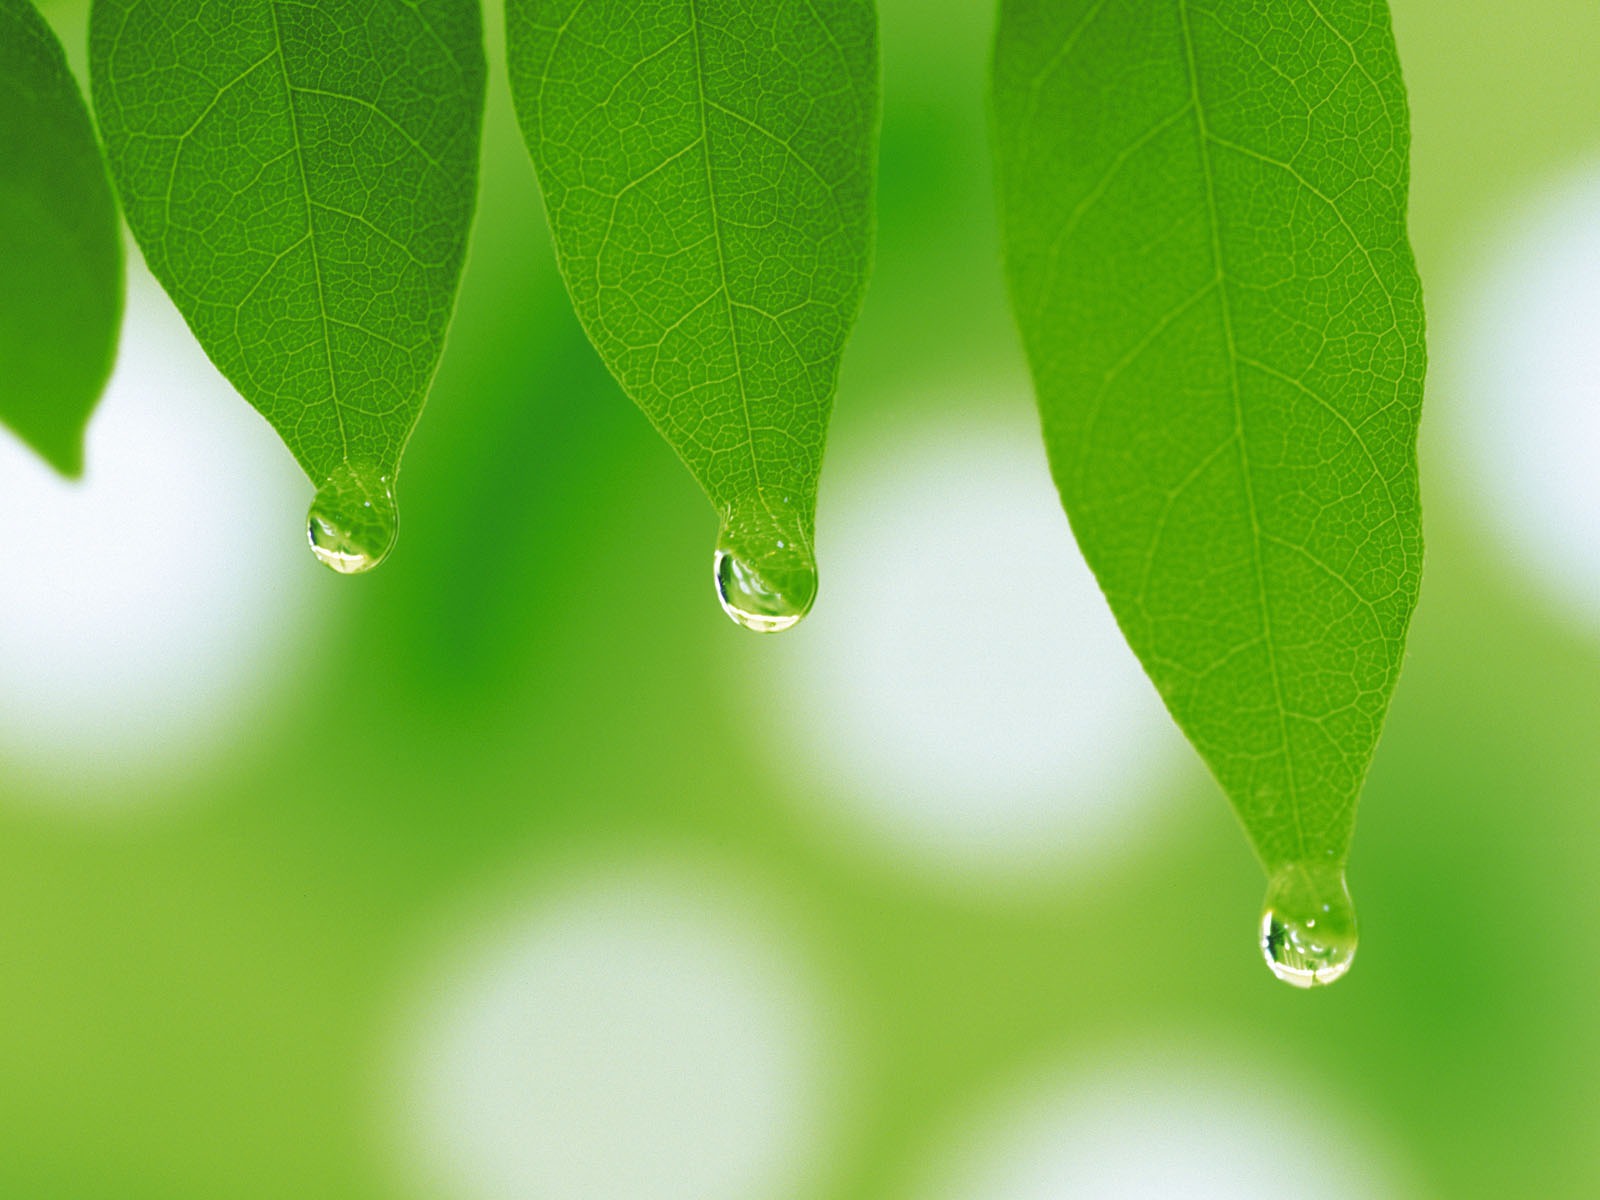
x=301 y=178
x=1204 y=209
x=707 y=168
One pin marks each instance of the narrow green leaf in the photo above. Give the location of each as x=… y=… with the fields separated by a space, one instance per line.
x=60 y=246
x=301 y=178
x=707 y=168
x=1204 y=206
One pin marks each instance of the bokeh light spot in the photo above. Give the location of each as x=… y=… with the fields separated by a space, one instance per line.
x=632 y=1033
x=1151 y=1128
x=146 y=609
x=962 y=691
x=1529 y=383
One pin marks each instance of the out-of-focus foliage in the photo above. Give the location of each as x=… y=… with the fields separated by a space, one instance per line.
x=60 y=254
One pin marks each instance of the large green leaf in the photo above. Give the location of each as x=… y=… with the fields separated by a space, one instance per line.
x=1204 y=207
x=60 y=246
x=301 y=178
x=707 y=168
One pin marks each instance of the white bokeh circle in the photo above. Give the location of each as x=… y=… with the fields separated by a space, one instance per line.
x=146 y=608
x=632 y=1032
x=961 y=691
x=1529 y=386
x=1154 y=1127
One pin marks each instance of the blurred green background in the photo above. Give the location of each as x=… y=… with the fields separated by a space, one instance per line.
x=515 y=870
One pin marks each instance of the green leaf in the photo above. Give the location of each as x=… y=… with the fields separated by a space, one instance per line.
x=301 y=178
x=1204 y=215
x=61 y=295
x=707 y=168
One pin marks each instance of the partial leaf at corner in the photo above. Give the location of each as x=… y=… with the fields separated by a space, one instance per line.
x=1204 y=212
x=60 y=246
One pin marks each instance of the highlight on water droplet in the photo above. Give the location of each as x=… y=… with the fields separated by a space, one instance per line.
x=765 y=572
x=1308 y=925
x=353 y=520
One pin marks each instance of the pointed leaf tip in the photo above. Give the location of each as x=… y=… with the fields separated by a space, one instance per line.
x=708 y=173
x=301 y=179
x=1204 y=209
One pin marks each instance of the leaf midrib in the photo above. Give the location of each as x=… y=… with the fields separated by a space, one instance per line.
x=722 y=255
x=311 y=230
x=1226 y=307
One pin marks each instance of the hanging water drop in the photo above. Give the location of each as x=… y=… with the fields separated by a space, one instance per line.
x=1308 y=925
x=353 y=520
x=765 y=573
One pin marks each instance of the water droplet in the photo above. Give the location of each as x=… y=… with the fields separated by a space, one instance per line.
x=1308 y=925
x=353 y=520
x=765 y=574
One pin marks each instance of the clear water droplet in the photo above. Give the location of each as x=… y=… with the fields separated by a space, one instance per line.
x=765 y=574
x=353 y=520
x=1308 y=925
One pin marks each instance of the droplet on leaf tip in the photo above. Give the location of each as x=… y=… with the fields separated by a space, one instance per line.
x=353 y=520
x=765 y=575
x=1308 y=925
